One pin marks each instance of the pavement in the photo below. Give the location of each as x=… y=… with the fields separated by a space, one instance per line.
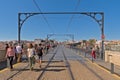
x=60 y=63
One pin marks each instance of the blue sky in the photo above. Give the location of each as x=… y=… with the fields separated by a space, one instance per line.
x=83 y=27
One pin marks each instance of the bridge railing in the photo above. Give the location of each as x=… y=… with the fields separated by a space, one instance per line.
x=2 y=55
x=112 y=57
x=115 y=48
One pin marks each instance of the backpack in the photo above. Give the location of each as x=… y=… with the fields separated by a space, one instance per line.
x=40 y=53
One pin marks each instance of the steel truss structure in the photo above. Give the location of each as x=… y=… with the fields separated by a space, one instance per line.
x=93 y=15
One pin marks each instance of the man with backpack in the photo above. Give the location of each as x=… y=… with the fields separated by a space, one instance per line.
x=40 y=54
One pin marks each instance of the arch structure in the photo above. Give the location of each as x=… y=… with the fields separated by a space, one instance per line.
x=22 y=17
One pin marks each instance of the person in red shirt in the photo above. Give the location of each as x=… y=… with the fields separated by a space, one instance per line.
x=10 y=55
x=93 y=53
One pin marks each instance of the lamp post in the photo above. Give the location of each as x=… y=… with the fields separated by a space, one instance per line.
x=19 y=28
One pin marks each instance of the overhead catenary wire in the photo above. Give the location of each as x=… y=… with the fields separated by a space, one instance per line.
x=37 y=6
x=71 y=18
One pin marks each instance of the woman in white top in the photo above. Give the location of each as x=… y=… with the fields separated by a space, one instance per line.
x=31 y=53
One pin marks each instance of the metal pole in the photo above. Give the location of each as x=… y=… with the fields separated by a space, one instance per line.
x=73 y=38
x=112 y=68
x=19 y=28
x=102 y=36
x=46 y=45
x=47 y=38
x=92 y=59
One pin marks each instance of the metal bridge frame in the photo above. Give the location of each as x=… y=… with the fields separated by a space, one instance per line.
x=69 y=35
x=90 y=14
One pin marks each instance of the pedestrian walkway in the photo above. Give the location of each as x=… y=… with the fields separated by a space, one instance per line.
x=99 y=62
x=59 y=64
x=107 y=66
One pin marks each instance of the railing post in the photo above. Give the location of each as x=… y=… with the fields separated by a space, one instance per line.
x=92 y=59
x=112 y=68
x=85 y=53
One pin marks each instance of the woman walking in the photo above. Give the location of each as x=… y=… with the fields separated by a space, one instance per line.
x=93 y=53
x=31 y=53
x=10 y=55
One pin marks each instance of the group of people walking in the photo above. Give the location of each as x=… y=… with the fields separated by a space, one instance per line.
x=34 y=54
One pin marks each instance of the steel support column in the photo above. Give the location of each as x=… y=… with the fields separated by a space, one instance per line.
x=101 y=24
x=19 y=29
x=21 y=22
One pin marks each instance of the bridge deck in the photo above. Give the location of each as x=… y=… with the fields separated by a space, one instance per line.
x=60 y=64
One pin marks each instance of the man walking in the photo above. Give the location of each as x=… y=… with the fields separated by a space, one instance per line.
x=18 y=52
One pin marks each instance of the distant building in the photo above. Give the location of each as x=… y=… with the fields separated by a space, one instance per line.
x=37 y=41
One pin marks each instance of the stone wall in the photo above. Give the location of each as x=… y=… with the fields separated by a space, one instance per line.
x=112 y=57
